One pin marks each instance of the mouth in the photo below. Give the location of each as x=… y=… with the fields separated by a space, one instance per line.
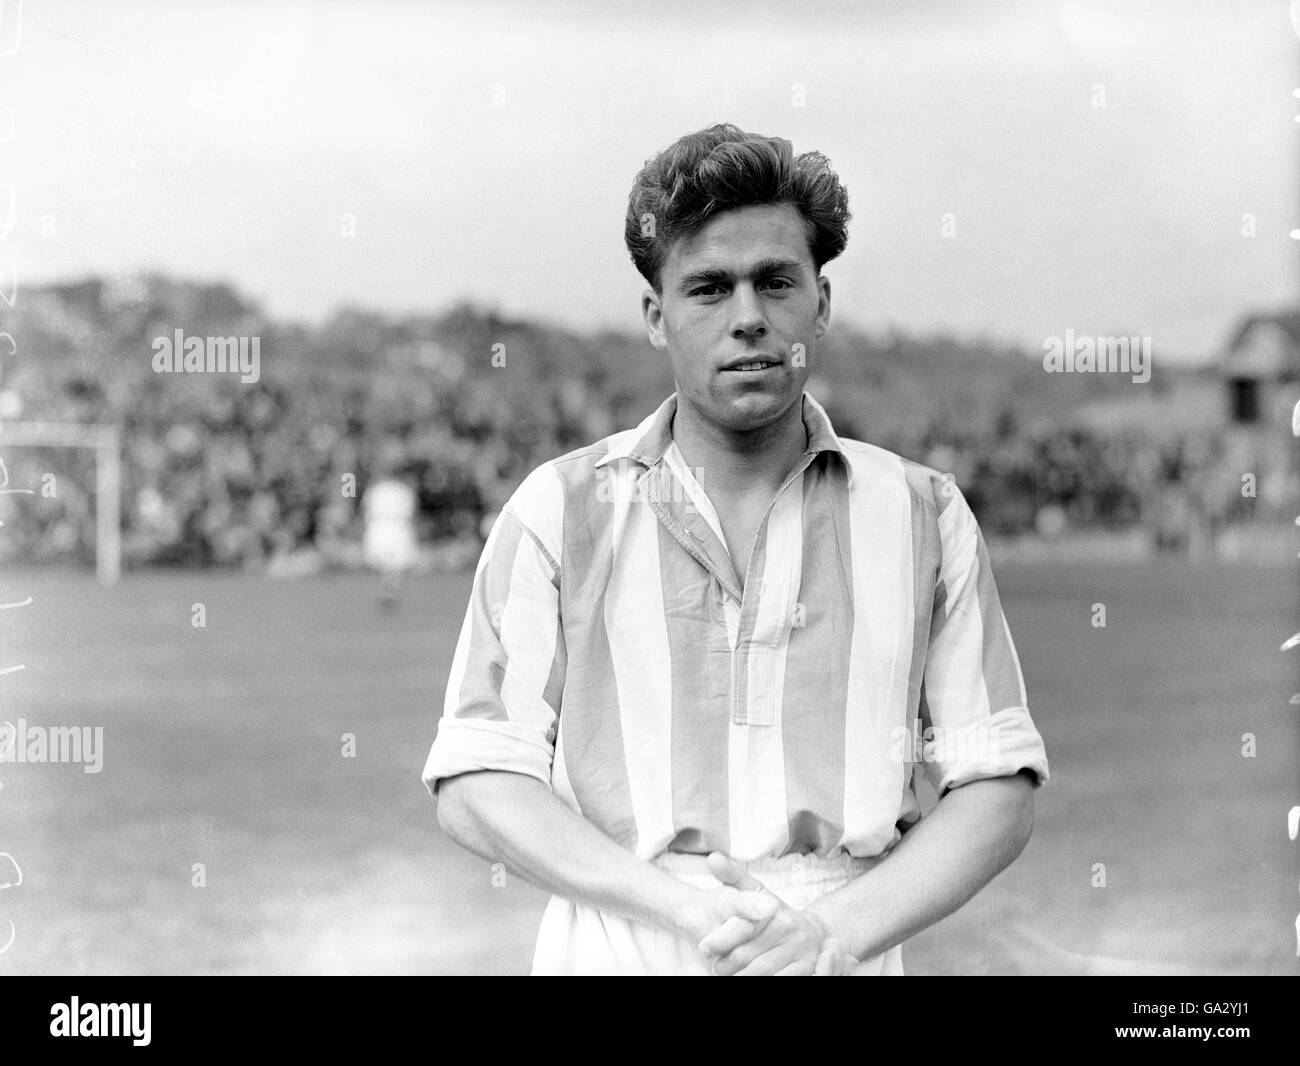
x=751 y=366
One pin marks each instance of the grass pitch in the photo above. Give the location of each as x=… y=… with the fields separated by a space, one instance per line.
x=223 y=746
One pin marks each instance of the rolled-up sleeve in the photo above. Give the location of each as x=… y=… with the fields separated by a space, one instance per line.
x=504 y=690
x=973 y=704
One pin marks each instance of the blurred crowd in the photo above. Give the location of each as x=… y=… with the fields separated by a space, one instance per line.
x=220 y=473
x=272 y=474
x=1048 y=479
x=215 y=472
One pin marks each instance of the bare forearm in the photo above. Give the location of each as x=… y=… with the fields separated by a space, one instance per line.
x=974 y=833
x=516 y=820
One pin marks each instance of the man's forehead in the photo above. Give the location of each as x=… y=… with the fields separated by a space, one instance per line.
x=742 y=238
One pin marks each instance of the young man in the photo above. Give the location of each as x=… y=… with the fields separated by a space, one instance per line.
x=693 y=649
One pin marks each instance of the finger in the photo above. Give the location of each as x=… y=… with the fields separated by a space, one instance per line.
x=730 y=872
x=801 y=967
x=843 y=963
x=747 y=954
x=765 y=954
x=729 y=936
x=767 y=963
x=758 y=907
x=834 y=961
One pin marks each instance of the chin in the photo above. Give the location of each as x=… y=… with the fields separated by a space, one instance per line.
x=756 y=411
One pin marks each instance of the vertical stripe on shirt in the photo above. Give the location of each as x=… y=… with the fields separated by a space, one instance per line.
x=593 y=733
x=815 y=687
x=529 y=626
x=759 y=816
x=477 y=693
x=882 y=591
x=639 y=650
x=698 y=664
x=1002 y=677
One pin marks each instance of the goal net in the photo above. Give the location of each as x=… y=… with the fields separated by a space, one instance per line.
x=105 y=444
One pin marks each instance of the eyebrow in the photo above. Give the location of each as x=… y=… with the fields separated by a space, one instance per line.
x=715 y=275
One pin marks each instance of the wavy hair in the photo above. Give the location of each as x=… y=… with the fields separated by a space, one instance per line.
x=721 y=168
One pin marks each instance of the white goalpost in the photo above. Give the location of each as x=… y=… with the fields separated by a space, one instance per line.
x=105 y=440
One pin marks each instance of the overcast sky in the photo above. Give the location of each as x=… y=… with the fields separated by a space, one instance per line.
x=1098 y=158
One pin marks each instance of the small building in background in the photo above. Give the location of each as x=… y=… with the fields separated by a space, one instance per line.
x=1259 y=372
x=1261 y=360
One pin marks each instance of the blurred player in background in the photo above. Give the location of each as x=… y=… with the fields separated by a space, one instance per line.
x=390 y=544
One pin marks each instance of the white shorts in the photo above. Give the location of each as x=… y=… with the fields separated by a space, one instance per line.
x=391 y=547
x=576 y=939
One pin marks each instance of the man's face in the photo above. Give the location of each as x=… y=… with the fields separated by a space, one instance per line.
x=738 y=296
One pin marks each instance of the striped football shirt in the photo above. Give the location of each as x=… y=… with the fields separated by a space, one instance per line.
x=609 y=651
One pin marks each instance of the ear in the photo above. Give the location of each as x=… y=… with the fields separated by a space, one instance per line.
x=653 y=312
x=823 y=305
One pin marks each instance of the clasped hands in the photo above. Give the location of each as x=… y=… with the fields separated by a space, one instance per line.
x=743 y=929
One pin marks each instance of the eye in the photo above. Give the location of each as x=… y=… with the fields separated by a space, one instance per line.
x=705 y=290
x=779 y=284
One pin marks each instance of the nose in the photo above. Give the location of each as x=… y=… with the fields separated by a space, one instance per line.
x=748 y=317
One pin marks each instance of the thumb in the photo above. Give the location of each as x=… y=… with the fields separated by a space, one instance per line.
x=730 y=872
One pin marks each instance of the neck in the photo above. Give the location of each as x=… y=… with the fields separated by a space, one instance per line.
x=740 y=461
